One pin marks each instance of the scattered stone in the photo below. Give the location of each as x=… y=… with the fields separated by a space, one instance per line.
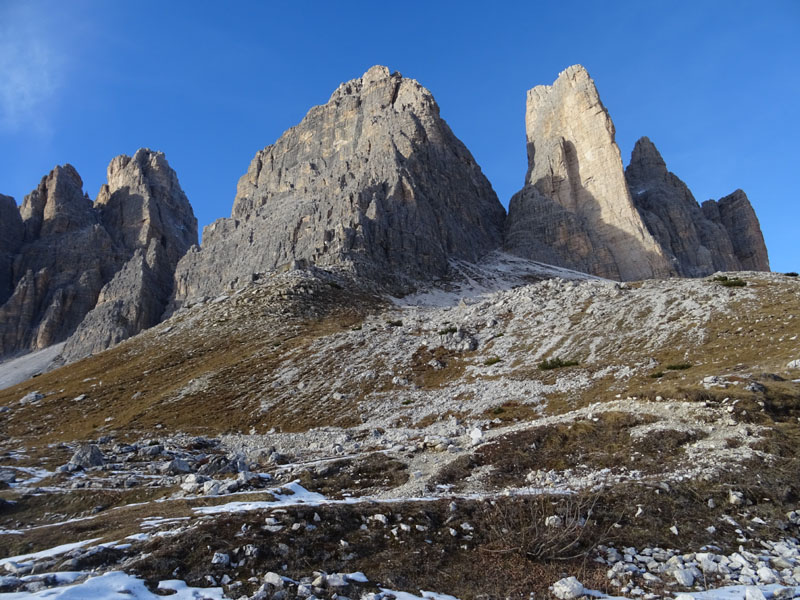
x=568 y=588
x=87 y=456
x=735 y=498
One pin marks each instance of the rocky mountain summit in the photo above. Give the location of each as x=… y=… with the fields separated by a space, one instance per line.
x=374 y=182
x=104 y=269
x=146 y=212
x=579 y=209
x=720 y=236
x=575 y=209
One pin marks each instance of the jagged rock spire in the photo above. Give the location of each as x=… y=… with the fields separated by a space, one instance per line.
x=719 y=237
x=575 y=202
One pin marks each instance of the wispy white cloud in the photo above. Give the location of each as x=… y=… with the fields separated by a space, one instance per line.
x=31 y=65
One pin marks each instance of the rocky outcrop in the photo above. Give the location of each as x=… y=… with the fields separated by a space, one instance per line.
x=575 y=209
x=736 y=214
x=149 y=217
x=699 y=241
x=374 y=181
x=11 y=234
x=65 y=258
x=104 y=269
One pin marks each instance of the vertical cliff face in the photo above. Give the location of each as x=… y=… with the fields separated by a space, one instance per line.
x=12 y=232
x=57 y=273
x=575 y=202
x=151 y=221
x=737 y=216
x=373 y=181
x=722 y=236
x=695 y=245
x=105 y=270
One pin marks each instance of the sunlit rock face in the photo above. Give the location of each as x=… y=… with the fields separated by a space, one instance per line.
x=374 y=182
x=575 y=209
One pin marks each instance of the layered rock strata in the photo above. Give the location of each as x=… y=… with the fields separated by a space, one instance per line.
x=374 y=182
x=720 y=236
x=575 y=209
x=61 y=253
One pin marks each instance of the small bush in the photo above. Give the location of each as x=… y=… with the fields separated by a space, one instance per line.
x=574 y=535
x=556 y=363
x=491 y=361
x=735 y=282
x=657 y=374
x=407 y=401
x=448 y=330
x=397 y=323
x=679 y=367
x=729 y=281
x=791 y=274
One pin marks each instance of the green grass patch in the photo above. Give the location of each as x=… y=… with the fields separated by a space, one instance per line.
x=491 y=361
x=657 y=374
x=397 y=323
x=448 y=330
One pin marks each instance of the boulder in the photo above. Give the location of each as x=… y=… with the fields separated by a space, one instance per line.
x=568 y=588
x=87 y=456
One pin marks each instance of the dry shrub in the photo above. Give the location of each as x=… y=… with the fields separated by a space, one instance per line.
x=519 y=526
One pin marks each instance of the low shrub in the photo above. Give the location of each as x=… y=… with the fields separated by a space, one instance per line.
x=491 y=361
x=556 y=363
x=729 y=281
x=679 y=367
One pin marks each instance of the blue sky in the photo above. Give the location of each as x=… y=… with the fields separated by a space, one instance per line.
x=715 y=85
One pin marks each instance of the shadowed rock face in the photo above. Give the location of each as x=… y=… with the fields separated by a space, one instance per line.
x=58 y=271
x=736 y=214
x=11 y=233
x=695 y=245
x=575 y=209
x=373 y=181
x=71 y=260
x=698 y=241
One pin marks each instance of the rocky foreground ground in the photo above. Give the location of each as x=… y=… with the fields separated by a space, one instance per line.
x=498 y=436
